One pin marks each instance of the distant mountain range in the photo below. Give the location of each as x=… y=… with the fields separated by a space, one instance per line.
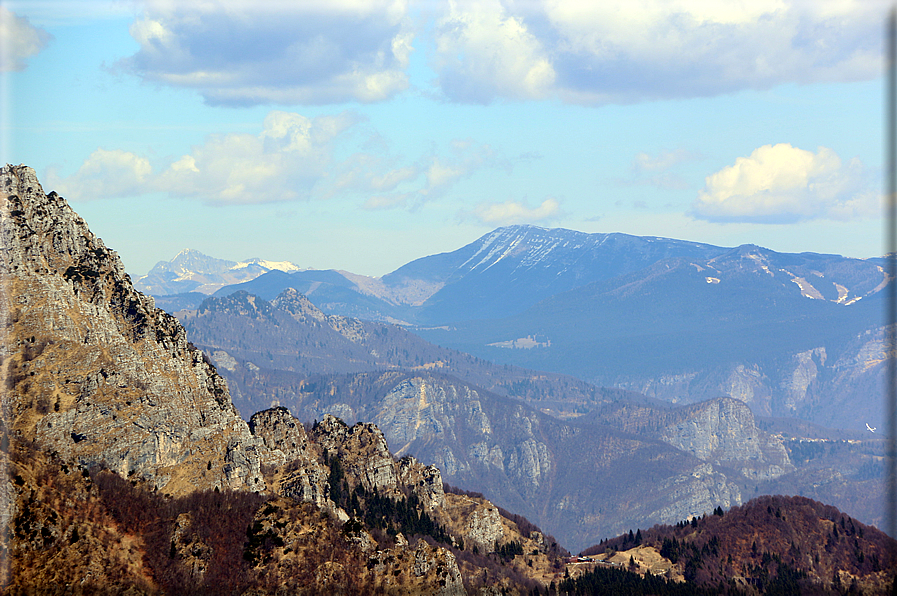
x=528 y=440
x=192 y=271
x=789 y=334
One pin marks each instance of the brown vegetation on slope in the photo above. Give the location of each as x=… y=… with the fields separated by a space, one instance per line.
x=815 y=545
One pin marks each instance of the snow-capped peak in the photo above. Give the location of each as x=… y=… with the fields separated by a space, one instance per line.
x=285 y=266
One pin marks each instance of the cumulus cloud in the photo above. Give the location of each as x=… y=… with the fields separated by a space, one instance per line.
x=483 y=52
x=105 y=174
x=287 y=160
x=284 y=162
x=620 y=51
x=514 y=212
x=19 y=40
x=240 y=52
x=785 y=184
x=292 y=158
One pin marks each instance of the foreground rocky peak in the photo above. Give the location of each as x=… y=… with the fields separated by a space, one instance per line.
x=95 y=372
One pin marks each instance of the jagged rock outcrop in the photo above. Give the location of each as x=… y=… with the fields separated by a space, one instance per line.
x=430 y=567
x=362 y=450
x=425 y=480
x=301 y=309
x=484 y=527
x=96 y=373
x=282 y=435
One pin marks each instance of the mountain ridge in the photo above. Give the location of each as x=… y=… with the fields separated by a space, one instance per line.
x=193 y=271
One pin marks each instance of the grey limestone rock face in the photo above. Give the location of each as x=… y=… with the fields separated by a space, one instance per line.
x=363 y=452
x=365 y=459
x=484 y=527
x=696 y=494
x=723 y=431
x=424 y=410
x=805 y=371
x=287 y=444
x=282 y=435
x=426 y=480
x=441 y=562
x=100 y=375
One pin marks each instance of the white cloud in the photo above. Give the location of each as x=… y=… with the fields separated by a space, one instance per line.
x=19 y=40
x=239 y=52
x=621 y=51
x=514 y=212
x=286 y=161
x=785 y=184
x=292 y=158
x=366 y=172
x=440 y=174
x=482 y=52
x=105 y=174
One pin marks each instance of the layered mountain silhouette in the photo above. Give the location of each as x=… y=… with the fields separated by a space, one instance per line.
x=790 y=334
x=526 y=439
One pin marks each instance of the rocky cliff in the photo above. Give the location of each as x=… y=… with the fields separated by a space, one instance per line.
x=97 y=374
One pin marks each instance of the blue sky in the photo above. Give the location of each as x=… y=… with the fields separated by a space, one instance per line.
x=359 y=135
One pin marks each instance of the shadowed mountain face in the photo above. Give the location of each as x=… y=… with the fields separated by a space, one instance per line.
x=288 y=341
x=751 y=324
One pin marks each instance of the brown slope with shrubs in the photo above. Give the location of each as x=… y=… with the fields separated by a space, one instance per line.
x=772 y=543
x=381 y=526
